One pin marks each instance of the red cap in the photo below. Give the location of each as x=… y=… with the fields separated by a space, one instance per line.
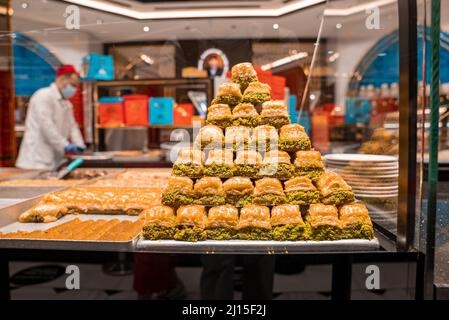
x=66 y=69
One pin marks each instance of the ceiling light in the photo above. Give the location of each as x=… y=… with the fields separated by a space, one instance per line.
x=280 y=62
x=139 y=14
x=275 y=26
x=358 y=8
x=24 y=5
x=146 y=29
x=312 y=97
x=338 y=26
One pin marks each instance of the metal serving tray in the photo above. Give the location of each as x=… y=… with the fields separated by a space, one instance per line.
x=254 y=247
x=8 y=223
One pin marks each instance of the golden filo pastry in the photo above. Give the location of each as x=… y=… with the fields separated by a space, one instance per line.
x=237 y=137
x=248 y=163
x=324 y=223
x=159 y=223
x=219 y=115
x=356 y=222
x=210 y=136
x=238 y=191
x=254 y=223
x=243 y=74
x=334 y=189
x=257 y=93
x=190 y=223
x=222 y=222
x=178 y=192
x=292 y=138
x=287 y=223
x=228 y=93
x=189 y=162
x=245 y=114
x=274 y=113
x=209 y=191
x=300 y=190
x=265 y=137
x=43 y=213
x=268 y=191
x=277 y=164
x=220 y=163
x=309 y=164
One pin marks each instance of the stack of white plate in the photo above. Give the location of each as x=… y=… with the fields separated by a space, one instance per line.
x=370 y=176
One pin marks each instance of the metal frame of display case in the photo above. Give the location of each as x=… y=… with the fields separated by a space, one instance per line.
x=401 y=249
x=169 y=82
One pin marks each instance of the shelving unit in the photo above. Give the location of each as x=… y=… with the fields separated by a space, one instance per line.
x=167 y=87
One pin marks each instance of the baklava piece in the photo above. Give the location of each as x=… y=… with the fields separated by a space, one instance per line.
x=287 y=223
x=265 y=138
x=237 y=138
x=228 y=93
x=159 y=223
x=355 y=222
x=209 y=191
x=46 y=213
x=243 y=74
x=219 y=115
x=254 y=223
x=323 y=222
x=257 y=93
x=247 y=163
x=238 y=191
x=309 y=164
x=245 y=114
x=293 y=138
x=220 y=163
x=189 y=163
x=268 y=191
x=178 y=192
x=222 y=222
x=190 y=223
x=300 y=190
x=277 y=164
x=274 y=113
x=210 y=137
x=334 y=190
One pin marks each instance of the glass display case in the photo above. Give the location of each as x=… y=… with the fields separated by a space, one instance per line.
x=354 y=76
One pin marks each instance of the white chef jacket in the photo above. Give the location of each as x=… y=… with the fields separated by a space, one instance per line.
x=49 y=127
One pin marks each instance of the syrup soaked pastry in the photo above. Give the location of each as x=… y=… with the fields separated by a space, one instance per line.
x=334 y=190
x=265 y=138
x=293 y=138
x=257 y=93
x=190 y=223
x=237 y=137
x=248 y=163
x=222 y=222
x=228 y=93
x=245 y=114
x=238 y=191
x=309 y=164
x=159 y=223
x=324 y=223
x=356 y=222
x=209 y=191
x=277 y=164
x=210 y=137
x=287 y=223
x=189 y=163
x=300 y=190
x=243 y=74
x=44 y=213
x=254 y=223
x=268 y=191
x=220 y=163
x=219 y=115
x=178 y=192
x=274 y=113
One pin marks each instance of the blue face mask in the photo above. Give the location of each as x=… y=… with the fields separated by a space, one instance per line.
x=69 y=91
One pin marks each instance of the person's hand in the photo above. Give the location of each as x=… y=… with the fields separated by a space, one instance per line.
x=72 y=148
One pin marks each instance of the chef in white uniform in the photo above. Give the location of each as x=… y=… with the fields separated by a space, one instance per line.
x=50 y=127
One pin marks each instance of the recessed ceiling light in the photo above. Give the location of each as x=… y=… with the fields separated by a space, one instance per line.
x=330 y=52
x=275 y=26
x=146 y=29
x=338 y=26
x=24 y=5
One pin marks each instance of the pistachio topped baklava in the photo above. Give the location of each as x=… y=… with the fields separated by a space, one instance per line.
x=334 y=190
x=287 y=223
x=245 y=114
x=265 y=138
x=209 y=191
x=257 y=93
x=268 y=191
x=228 y=93
x=293 y=138
x=277 y=164
x=274 y=113
x=254 y=223
x=237 y=137
x=238 y=191
x=222 y=222
x=178 y=192
x=191 y=221
x=243 y=74
x=189 y=163
x=219 y=163
x=300 y=190
x=219 y=115
x=247 y=163
x=356 y=222
x=323 y=222
x=159 y=223
x=210 y=137
x=309 y=163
